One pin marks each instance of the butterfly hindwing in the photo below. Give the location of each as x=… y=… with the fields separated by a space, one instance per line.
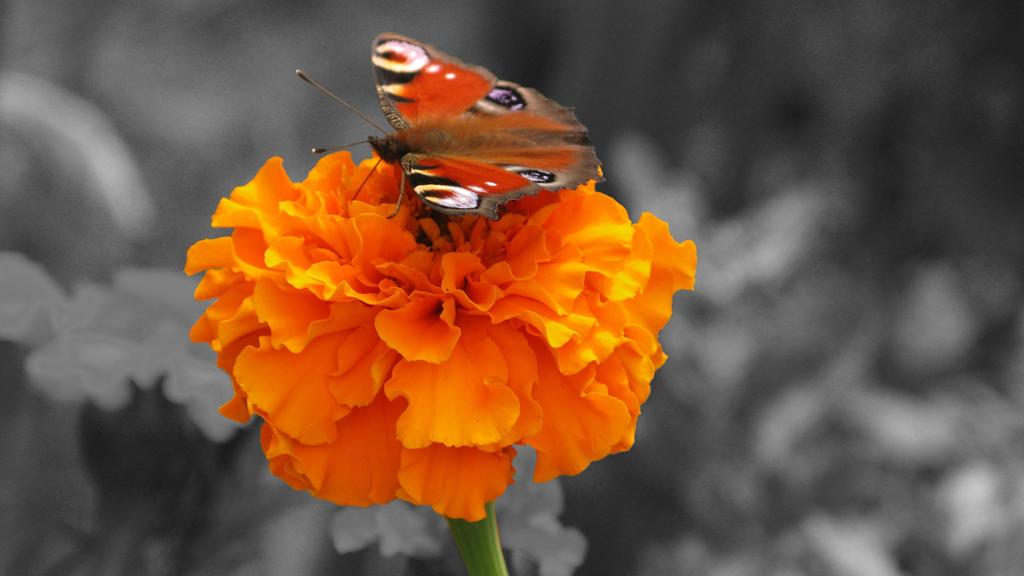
x=571 y=159
x=461 y=186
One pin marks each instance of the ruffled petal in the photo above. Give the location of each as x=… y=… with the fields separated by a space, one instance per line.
x=380 y=239
x=634 y=273
x=522 y=377
x=588 y=424
x=672 y=269
x=598 y=226
x=289 y=388
x=209 y=253
x=424 y=329
x=288 y=313
x=463 y=401
x=678 y=258
x=555 y=283
x=364 y=363
x=359 y=467
x=455 y=482
x=596 y=344
x=458 y=270
x=216 y=282
x=237 y=408
x=556 y=329
x=254 y=204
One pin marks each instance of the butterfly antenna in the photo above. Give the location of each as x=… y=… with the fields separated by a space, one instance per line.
x=336 y=148
x=301 y=74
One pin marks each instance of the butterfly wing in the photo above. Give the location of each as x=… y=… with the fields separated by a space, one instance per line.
x=491 y=126
x=416 y=81
x=464 y=186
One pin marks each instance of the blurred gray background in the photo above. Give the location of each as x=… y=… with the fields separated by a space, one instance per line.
x=845 y=389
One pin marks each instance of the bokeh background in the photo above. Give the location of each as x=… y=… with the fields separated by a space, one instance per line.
x=845 y=389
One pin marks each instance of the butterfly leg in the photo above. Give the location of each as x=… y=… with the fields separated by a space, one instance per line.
x=401 y=195
x=365 y=180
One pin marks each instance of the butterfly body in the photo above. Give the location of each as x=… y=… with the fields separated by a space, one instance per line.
x=466 y=141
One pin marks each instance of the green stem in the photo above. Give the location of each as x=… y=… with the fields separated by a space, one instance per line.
x=479 y=544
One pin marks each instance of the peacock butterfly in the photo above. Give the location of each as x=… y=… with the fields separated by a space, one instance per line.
x=466 y=141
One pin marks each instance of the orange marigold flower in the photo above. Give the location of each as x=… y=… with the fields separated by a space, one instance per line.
x=406 y=357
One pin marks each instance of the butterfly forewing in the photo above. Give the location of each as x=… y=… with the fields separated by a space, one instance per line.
x=418 y=81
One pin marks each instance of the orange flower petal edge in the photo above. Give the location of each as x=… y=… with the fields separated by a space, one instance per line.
x=406 y=356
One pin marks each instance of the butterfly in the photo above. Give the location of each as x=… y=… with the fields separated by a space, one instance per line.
x=466 y=141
